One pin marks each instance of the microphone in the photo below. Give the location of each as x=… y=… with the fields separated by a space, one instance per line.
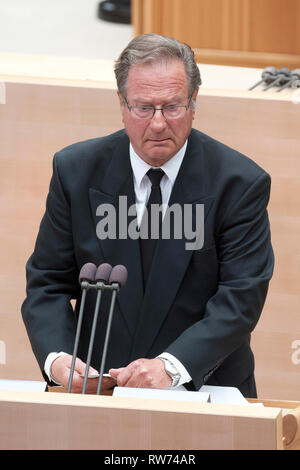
x=294 y=77
x=268 y=75
x=282 y=77
x=101 y=278
x=117 y=279
x=86 y=276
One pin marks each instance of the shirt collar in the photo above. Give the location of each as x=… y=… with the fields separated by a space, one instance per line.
x=171 y=167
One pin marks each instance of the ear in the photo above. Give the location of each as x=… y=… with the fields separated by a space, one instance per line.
x=121 y=101
x=194 y=99
x=195 y=94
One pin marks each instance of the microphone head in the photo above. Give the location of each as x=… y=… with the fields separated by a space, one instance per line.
x=296 y=73
x=285 y=71
x=284 y=75
x=87 y=272
x=269 y=74
x=103 y=272
x=271 y=70
x=118 y=275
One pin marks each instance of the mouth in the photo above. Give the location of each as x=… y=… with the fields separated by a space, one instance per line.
x=159 y=140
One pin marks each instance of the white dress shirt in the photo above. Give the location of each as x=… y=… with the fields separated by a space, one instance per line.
x=142 y=188
x=142 y=184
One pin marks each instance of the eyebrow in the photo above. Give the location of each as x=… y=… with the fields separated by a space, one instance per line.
x=143 y=102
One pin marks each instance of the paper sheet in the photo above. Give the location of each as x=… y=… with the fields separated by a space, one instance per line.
x=27 y=385
x=159 y=394
x=207 y=393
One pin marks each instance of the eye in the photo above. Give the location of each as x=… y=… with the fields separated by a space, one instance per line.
x=145 y=108
x=171 y=107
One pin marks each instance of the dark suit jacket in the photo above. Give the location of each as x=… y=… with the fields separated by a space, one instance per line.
x=200 y=306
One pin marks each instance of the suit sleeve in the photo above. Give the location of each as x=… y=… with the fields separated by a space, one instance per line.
x=52 y=277
x=245 y=258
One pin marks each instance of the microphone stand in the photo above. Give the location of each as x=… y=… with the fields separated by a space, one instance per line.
x=115 y=289
x=85 y=286
x=92 y=278
x=283 y=76
x=101 y=277
x=268 y=75
x=294 y=78
x=117 y=279
x=86 y=275
x=99 y=287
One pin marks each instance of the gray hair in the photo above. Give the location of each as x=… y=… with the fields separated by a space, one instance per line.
x=149 y=48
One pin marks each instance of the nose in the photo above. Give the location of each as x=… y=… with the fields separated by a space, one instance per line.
x=158 y=121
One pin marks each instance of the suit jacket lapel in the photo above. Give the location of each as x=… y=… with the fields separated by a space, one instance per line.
x=118 y=182
x=171 y=258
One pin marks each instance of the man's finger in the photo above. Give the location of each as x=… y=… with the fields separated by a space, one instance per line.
x=121 y=375
x=115 y=372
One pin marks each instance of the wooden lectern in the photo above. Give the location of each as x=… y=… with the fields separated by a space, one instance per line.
x=49 y=421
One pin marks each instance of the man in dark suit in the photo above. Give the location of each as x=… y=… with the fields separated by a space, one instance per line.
x=186 y=317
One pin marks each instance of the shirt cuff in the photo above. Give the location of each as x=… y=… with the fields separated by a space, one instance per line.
x=184 y=375
x=48 y=363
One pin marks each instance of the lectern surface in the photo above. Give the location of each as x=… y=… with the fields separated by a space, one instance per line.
x=33 y=420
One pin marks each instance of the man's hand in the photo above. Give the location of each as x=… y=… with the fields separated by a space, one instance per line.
x=60 y=371
x=142 y=373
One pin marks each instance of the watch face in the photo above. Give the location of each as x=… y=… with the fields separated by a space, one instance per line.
x=172 y=369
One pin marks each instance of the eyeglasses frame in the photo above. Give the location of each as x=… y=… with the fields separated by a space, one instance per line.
x=158 y=109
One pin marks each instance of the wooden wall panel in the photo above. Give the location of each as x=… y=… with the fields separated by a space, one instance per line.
x=274 y=26
x=227 y=31
x=35 y=122
x=268 y=132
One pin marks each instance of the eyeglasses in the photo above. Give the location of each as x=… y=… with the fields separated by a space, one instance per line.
x=169 y=112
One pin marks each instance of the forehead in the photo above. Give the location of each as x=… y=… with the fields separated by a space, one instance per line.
x=158 y=79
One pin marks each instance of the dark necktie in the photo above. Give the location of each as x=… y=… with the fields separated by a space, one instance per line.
x=148 y=244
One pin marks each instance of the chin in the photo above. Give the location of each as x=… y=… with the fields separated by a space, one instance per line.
x=160 y=154
x=158 y=160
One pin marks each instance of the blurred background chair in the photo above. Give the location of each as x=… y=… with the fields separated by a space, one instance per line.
x=116 y=11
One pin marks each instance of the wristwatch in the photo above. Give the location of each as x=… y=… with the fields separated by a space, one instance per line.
x=171 y=371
